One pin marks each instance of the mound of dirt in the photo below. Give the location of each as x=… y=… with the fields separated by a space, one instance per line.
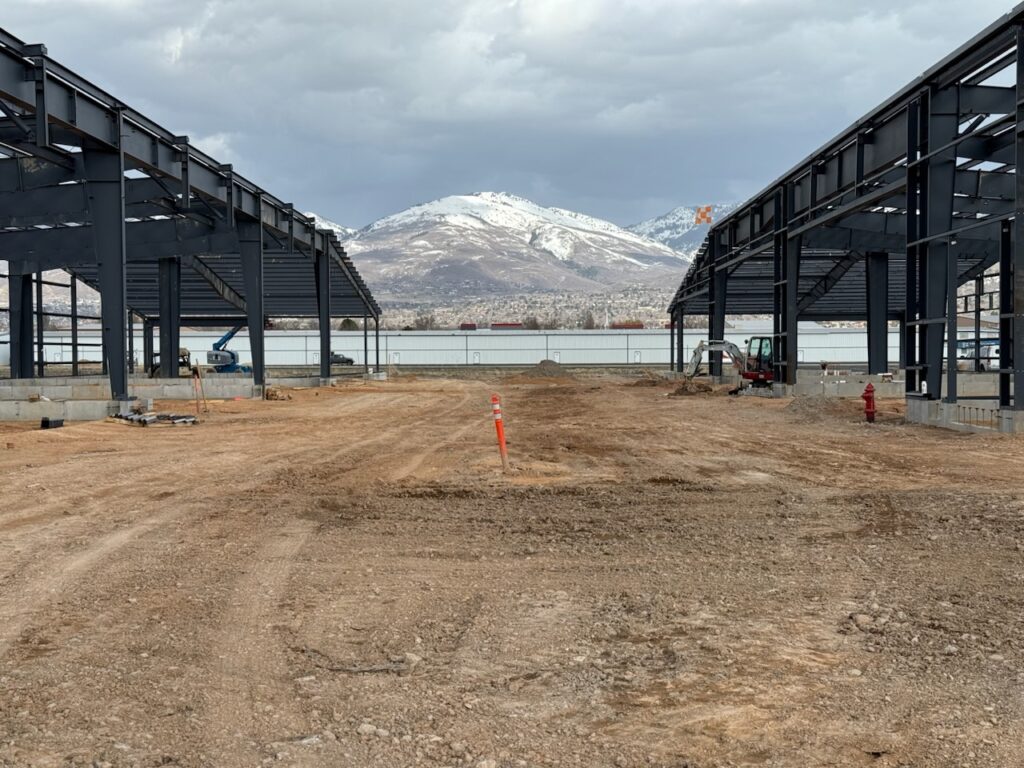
x=691 y=387
x=547 y=369
x=650 y=379
x=813 y=407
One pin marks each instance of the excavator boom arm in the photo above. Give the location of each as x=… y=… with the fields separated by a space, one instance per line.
x=735 y=354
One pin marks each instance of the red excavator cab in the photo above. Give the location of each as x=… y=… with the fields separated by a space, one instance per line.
x=760 y=364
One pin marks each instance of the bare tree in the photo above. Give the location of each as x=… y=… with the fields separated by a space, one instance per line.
x=531 y=323
x=425 y=322
x=587 y=321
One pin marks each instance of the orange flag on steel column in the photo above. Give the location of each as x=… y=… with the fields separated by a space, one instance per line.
x=704 y=215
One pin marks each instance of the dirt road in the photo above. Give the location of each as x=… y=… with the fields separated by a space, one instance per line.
x=346 y=579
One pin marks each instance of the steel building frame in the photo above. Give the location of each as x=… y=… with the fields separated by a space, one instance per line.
x=886 y=222
x=161 y=230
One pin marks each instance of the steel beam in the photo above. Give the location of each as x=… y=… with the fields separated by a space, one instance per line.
x=877 y=290
x=105 y=171
x=828 y=281
x=169 y=271
x=225 y=291
x=250 y=241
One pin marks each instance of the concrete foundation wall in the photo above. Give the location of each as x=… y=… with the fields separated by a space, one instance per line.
x=98 y=388
x=87 y=398
x=808 y=383
x=69 y=410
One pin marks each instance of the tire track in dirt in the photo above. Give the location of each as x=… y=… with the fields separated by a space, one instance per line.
x=250 y=662
x=139 y=476
x=417 y=460
x=249 y=659
x=31 y=529
x=34 y=596
x=402 y=428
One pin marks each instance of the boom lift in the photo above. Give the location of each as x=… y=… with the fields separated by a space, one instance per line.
x=225 y=360
x=755 y=365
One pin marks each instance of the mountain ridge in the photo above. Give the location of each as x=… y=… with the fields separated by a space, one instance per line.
x=493 y=243
x=679 y=229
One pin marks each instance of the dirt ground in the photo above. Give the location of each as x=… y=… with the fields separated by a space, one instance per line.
x=347 y=579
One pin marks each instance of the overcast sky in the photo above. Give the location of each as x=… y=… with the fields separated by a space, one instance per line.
x=622 y=109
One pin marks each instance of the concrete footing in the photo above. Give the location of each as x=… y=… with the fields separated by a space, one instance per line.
x=965 y=416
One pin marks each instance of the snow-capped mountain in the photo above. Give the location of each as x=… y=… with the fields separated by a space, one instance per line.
x=343 y=233
x=678 y=229
x=494 y=243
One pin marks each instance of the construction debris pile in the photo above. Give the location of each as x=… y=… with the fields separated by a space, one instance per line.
x=149 y=417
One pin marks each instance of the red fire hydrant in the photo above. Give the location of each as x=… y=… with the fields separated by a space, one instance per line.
x=869 y=403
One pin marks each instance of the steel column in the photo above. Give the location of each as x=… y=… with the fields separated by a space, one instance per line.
x=1006 y=255
x=366 y=346
x=952 y=317
x=376 y=342
x=786 y=314
x=169 y=271
x=903 y=342
x=20 y=287
x=40 y=328
x=322 y=267
x=147 y=345
x=105 y=187
x=680 y=341
x=717 y=291
x=131 y=341
x=250 y=241
x=672 y=342
x=910 y=331
x=939 y=181
x=877 y=289
x=791 y=345
x=74 y=325
x=979 y=289
x=1017 y=266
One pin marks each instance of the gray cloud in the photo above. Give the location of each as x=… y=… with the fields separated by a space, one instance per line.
x=620 y=108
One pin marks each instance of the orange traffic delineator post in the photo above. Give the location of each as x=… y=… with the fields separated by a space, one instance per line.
x=499 y=426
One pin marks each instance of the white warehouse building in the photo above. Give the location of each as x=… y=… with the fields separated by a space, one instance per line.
x=845 y=346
